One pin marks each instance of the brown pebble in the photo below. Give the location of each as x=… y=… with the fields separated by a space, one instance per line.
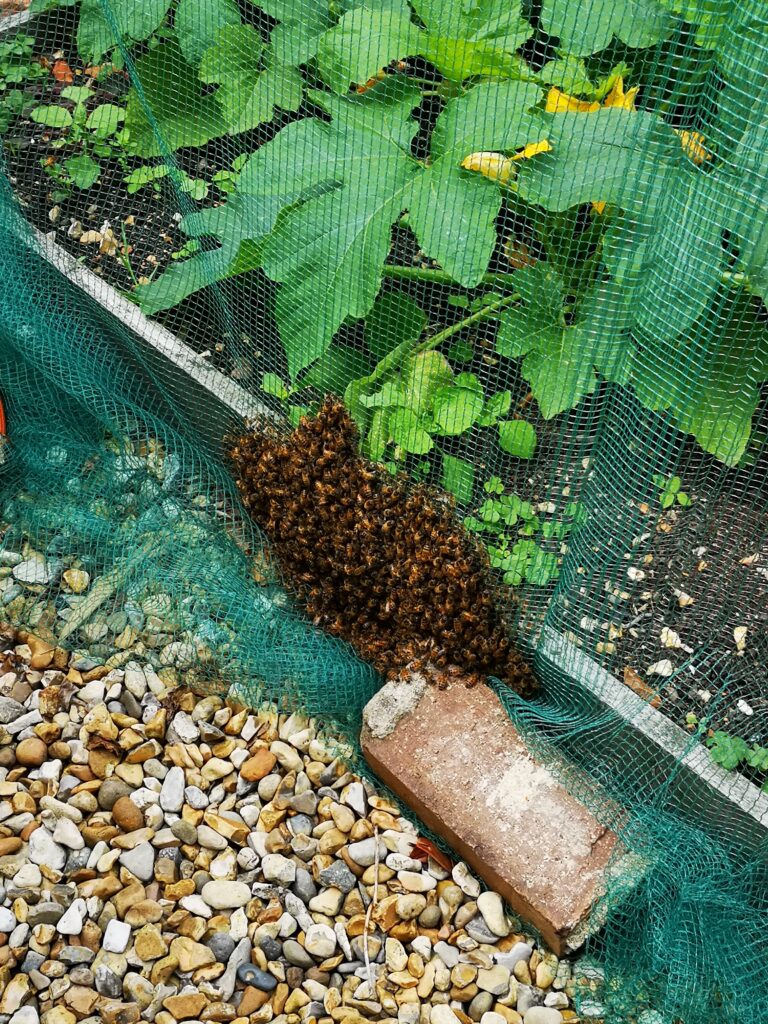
x=253 y=999
x=27 y=831
x=7 y=757
x=127 y=815
x=258 y=766
x=10 y=845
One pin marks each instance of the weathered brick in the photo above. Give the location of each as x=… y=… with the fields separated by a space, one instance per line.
x=454 y=756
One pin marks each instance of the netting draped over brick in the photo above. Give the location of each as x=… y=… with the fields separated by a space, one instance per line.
x=527 y=245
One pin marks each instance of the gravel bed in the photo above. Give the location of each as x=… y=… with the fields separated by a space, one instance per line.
x=167 y=857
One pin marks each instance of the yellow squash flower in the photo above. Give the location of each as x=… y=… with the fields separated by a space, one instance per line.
x=499 y=167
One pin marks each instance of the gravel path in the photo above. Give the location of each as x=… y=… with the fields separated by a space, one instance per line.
x=166 y=857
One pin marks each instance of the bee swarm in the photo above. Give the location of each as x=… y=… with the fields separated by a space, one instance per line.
x=375 y=560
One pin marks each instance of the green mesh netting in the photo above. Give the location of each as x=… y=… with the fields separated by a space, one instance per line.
x=527 y=244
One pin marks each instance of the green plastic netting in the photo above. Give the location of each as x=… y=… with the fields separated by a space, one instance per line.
x=527 y=244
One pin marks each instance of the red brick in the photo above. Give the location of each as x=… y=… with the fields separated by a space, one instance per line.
x=457 y=760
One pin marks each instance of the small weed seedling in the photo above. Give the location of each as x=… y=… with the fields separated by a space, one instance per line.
x=670 y=493
x=94 y=135
x=18 y=70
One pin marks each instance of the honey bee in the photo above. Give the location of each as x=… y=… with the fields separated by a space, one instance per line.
x=373 y=559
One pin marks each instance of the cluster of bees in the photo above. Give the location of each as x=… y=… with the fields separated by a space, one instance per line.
x=374 y=559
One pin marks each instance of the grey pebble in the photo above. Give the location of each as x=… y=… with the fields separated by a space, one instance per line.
x=31 y=961
x=296 y=954
x=304 y=886
x=110 y=792
x=300 y=824
x=339 y=876
x=74 y=955
x=478 y=930
x=47 y=912
x=10 y=710
x=222 y=945
x=481 y=1004
x=271 y=948
x=185 y=831
x=528 y=996
x=250 y=975
x=108 y=983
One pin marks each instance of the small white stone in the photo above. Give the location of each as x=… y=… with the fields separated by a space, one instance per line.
x=183 y=729
x=226 y=895
x=33 y=570
x=320 y=941
x=7 y=920
x=448 y=954
x=663 y=668
x=196 y=798
x=542 y=1015
x=196 y=905
x=68 y=834
x=396 y=956
x=520 y=951
x=465 y=880
x=287 y=757
x=495 y=980
x=491 y=906
x=25 y=1015
x=43 y=850
x=238 y=925
x=557 y=1000
x=354 y=796
x=210 y=838
x=172 y=792
x=442 y=1014
x=71 y=922
x=140 y=861
x=116 y=937
x=277 y=868
x=399 y=862
x=364 y=852
x=489 y=1017
x=415 y=881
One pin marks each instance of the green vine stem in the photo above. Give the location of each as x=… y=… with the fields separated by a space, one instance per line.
x=407 y=348
x=433 y=276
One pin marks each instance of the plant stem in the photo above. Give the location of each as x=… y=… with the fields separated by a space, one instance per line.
x=407 y=348
x=443 y=277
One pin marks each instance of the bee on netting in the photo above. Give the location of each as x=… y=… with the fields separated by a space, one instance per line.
x=374 y=559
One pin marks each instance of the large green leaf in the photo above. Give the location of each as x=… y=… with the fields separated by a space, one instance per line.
x=475 y=21
x=458 y=477
x=709 y=16
x=135 y=21
x=452 y=211
x=329 y=253
x=302 y=23
x=461 y=39
x=183 y=114
x=363 y=42
x=406 y=431
x=518 y=438
x=562 y=359
x=247 y=94
x=588 y=26
x=198 y=25
x=715 y=389
x=612 y=156
x=394 y=319
x=560 y=369
x=456 y=409
x=239 y=224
